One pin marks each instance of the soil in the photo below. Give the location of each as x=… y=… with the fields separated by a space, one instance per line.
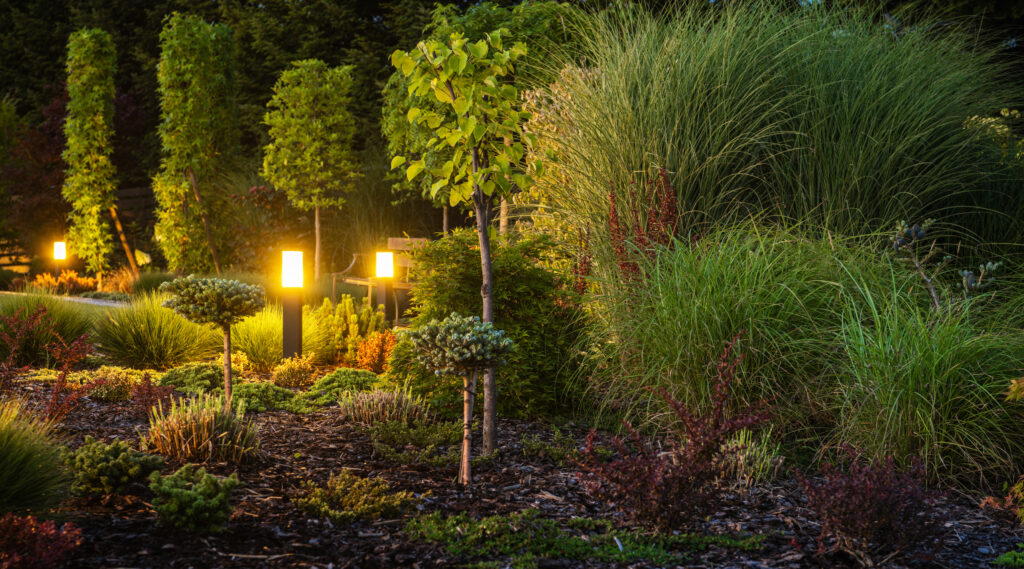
x=267 y=530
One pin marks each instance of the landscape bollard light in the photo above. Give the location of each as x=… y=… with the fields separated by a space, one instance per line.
x=291 y=302
x=385 y=270
x=60 y=251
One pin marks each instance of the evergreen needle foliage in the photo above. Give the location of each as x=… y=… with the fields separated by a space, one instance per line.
x=348 y=498
x=193 y=500
x=101 y=468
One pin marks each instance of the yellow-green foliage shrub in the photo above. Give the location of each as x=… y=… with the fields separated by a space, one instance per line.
x=193 y=500
x=199 y=429
x=100 y=468
x=297 y=372
x=113 y=383
x=346 y=325
x=348 y=498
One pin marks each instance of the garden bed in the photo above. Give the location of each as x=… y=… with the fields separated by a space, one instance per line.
x=267 y=530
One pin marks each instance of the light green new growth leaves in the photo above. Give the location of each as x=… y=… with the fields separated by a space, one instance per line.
x=467 y=77
x=89 y=181
x=310 y=156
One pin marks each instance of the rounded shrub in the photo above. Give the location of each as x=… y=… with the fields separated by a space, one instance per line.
x=113 y=383
x=193 y=500
x=197 y=378
x=146 y=335
x=296 y=372
x=32 y=476
x=100 y=468
x=329 y=388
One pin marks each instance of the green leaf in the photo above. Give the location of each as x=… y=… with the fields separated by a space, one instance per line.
x=414 y=169
x=397 y=161
x=460 y=105
x=412 y=114
x=442 y=94
x=478 y=49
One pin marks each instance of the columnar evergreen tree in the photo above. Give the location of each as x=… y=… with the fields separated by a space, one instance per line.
x=198 y=132
x=310 y=155
x=485 y=135
x=89 y=180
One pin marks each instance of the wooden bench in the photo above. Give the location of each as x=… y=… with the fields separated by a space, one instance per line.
x=400 y=246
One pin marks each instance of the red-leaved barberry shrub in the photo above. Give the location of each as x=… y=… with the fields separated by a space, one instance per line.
x=13 y=331
x=146 y=395
x=374 y=351
x=670 y=485
x=872 y=510
x=62 y=398
x=27 y=543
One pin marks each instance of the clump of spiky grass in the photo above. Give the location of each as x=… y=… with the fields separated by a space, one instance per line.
x=378 y=406
x=63 y=318
x=32 y=476
x=145 y=334
x=259 y=337
x=199 y=429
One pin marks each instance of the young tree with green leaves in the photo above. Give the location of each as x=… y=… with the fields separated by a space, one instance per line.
x=485 y=136
x=198 y=131
x=310 y=155
x=220 y=302
x=89 y=180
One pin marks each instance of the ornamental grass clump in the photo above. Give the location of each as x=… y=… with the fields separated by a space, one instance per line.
x=100 y=468
x=377 y=406
x=348 y=498
x=144 y=334
x=193 y=500
x=201 y=429
x=219 y=302
x=462 y=346
x=32 y=477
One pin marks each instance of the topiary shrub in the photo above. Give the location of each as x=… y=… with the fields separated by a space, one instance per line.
x=370 y=407
x=196 y=378
x=297 y=372
x=200 y=429
x=113 y=383
x=329 y=388
x=348 y=498
x=374 y=352
x=27 y=543
x=193 y=500
x=464 y=347
x=32 y=477
x=219 y=302
x=100 y=468
x=532 y=304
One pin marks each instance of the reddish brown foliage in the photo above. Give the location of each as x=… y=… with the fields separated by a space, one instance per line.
x=13 y=331
x=374 y=351
x=656 y=230
x=62 y=399
x=146 y=395
x=27 y=543
x=871 y=509
x=668 y=486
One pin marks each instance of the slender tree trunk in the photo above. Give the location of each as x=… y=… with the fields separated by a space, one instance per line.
x=483 y=213
x=227 y=369
x=468 y=398
x=316 y=252
x=124 y=242
x=444 y=221
x=206 y=222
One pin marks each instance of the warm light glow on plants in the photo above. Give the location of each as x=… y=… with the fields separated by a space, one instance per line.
x=385 y=264
x=60 y=251
x=291 y=269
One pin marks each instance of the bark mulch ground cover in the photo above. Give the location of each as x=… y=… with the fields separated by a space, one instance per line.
x=267 y=530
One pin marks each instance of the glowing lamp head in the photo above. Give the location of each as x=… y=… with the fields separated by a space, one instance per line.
x=291 y=269
x=385 y=265
x=60 y=250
